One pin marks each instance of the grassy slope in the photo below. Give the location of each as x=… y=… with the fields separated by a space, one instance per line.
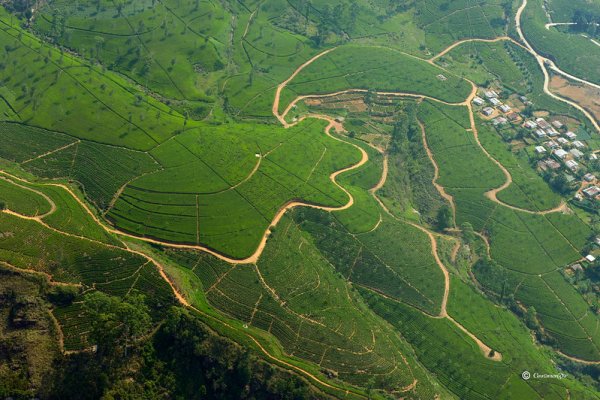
x=525 y=245
x=294 y=294
x=575 y=54
x=263 y=58
x=376 y=68
x=295 y=164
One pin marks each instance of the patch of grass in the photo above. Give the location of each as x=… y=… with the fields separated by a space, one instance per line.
x=220 y=198
x=575 y=54
x=375 y=68
x=394 y=259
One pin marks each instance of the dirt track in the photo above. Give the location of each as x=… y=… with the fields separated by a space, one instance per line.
x=585 y=95
x=542 y=61
x=47 y=198
x=485 y=349
x=456 y=44
x=436 y=173
x=333 y=124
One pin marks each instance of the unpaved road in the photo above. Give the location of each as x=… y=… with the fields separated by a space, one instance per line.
x=334 y=125
x=485 y=349
x=456 y=44
x=436 y=173
x=542 y=61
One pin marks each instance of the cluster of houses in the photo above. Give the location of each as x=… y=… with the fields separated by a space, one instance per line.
x=500 y=112
x=560 y=149
x=558 y=142
x=557 y=148
x=587 y=260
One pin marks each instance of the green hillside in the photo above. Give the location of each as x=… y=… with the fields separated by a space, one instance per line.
x=298 y=200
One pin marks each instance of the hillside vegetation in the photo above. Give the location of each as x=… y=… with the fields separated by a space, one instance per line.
x=293 y=200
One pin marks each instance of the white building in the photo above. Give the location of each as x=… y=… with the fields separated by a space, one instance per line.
x=576 y=153
x=551 y=132
x=499 y=121
x=540 y=134
x=572 y=165
x=560 y=153
x=487 y=111
x=571 y=135
x=590 y=178
x=491 y=94
x=542 y=123
x=478 y=101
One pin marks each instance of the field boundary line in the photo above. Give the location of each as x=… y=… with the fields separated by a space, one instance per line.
x=436 y=173
x=52 y=152
x=543 y=61
x=44 y=195
x=48 y=277
x=485 y=349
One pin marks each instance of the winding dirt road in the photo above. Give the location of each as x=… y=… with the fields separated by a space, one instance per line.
x=51 y=202
x=436 y=173
x=460 y=42
x=364 y=158
x=283 y=84
x=252 y=259
x=542 y=61
x=487 y=351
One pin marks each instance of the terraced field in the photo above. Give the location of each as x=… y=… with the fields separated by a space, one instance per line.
x=309 y=179
x=572 y=52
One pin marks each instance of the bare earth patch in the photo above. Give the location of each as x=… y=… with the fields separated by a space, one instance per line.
x=587 y=96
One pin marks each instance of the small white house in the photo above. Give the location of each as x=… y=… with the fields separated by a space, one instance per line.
x=562 y=141
x=478 y=101
x=540 y=134
x=590 y=258
x=557 y=124
x=572 y=165
x=491 y=94
x=540 y=149
x=551 y=132
x=571 y=135
x=495 y=101
x=499 y=121
x=487 y=111
x=589 y=178
x=505 y=108
x=560 y=153
x=591 y=191
x=576 y=153
x=578 y=144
